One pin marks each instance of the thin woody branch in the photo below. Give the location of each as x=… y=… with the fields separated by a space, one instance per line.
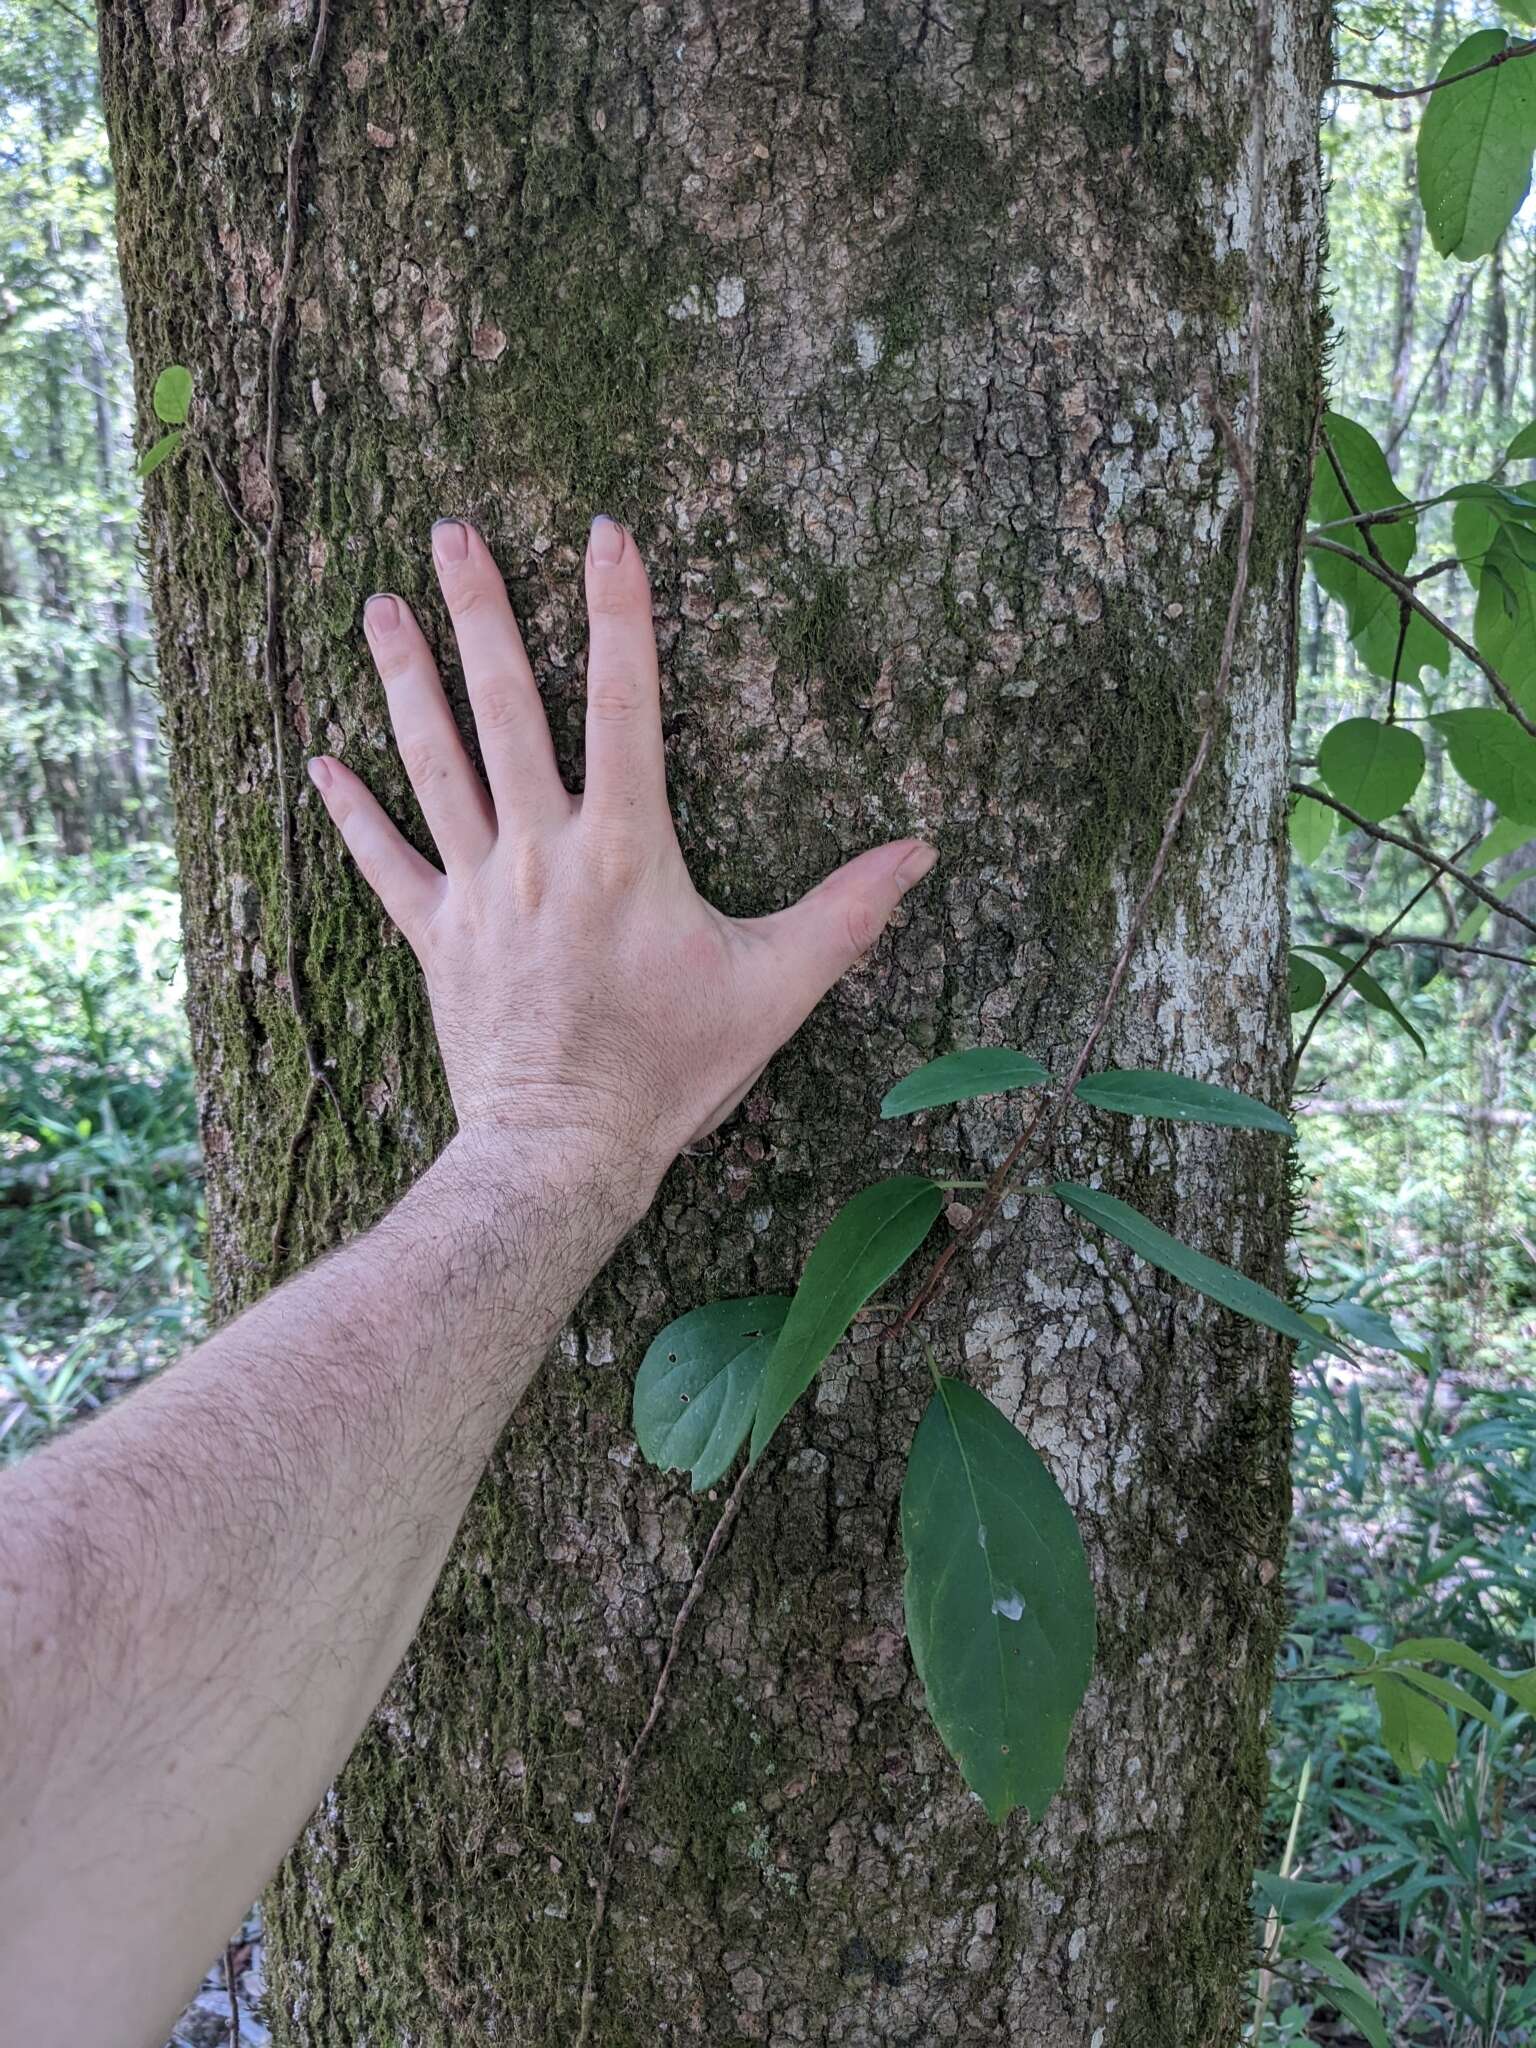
x=1415 y=92
x=1433 y=860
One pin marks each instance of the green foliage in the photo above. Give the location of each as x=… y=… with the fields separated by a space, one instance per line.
x=1306 y=984
x=1494 y=757
x=959 y=1076
x=1352 y=478
x=1149 y=1092
x=172 y=395
x=870 y=1238
x=1474 y=149
x=161 y=451
x=697 y=1387
x=1311 y=828
x=1504 y=625
x=1363 y=983
x=1374 y=768
x=999 y=1603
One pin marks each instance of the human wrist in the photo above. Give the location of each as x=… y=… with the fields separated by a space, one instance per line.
x=589 y=1160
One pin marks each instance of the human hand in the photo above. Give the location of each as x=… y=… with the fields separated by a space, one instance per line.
x=581 y=988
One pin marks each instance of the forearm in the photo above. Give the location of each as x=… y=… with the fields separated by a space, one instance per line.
x=215 y=1591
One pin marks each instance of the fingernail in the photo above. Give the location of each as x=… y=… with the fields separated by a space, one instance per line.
x=916 y=865
x=606 y=541
x=450 y=542
x=381 y=614
x=319 y=771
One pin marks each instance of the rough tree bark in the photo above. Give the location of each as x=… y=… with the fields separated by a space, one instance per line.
x=884 y=325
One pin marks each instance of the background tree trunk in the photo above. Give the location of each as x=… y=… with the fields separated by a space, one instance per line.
x=883 y=326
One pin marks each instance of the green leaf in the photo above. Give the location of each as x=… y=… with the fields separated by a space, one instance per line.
x=1367 y=1326
x=1504 y=626
x=999 y=1602
x=1369 y=989
x=1448 y=1693
x=1311 y=828
x=1523 y=445
x=1374 y=615
x=1372 y=767
x=1495 y=757
x=987 y=1070
x=868 y=1240
x=1414 y=1731
x=172 y=395
x=1507 y=836
x=162 y=451
x=1307 y=984
x=1146 y=1091
x=1362 y=2012
x=1298 y=1898
x=696 y=1390
x=1474 y=147
x=1520 y=1686
x=1474 y=528
x=1480 y=913
x=1220 y=1283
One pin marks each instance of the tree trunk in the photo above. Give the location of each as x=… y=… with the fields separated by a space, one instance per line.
x=884 y=326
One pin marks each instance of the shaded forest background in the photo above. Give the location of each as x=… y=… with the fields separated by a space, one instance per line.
x=1415 y=1471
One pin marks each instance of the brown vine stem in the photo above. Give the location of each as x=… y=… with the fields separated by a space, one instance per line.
x=1406 y=594
x=1433 y=860
x=1243 y=453
x=1415 y=92
x=319 y=1081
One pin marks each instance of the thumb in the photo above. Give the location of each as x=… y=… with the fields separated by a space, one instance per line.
x=816 y=941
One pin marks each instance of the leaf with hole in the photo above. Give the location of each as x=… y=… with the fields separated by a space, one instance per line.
x=1374 y=768
x=1306 y=984
x=1494 y=756
x=1207 y=1276
x=958 y=1076
x=697 y=1387
x=172 y=395
x=1369 y=990
x=1147 y=1091
x=1311 y=828
x=999 y=1602
x=162 y=451
x=870 y=1238
x=1474 y=147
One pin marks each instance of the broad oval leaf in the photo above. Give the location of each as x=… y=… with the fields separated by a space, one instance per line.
x=1373 y=614
x=1504 y=625
x=1209 y=1277
x=1311 y=827
x=162 y=451
x=697 y=1387
x=1369 y=990
x=1146 y=1091
x=1474 y=147
x=172 y=395
x=1523 y=445
x=1414 y=1730
x=1474 y=528
x=999 y=1601
x=1374 y=768
x=1306 y=984
x=867 y=1241
x=958 y=1076
x=1491 y=753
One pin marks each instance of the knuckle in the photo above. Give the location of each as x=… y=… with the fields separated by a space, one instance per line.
x=863 y=923
x=468 y=593
x=614 y=694
x=497 y=704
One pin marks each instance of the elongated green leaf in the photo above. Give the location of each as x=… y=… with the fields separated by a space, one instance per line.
x=1373 y=614
x=1368 y=988
x=1480 y=913
x=1372 y=767
x=1298 y=1900
x=1414 y=1730
x=1523 y=445
x=1506 y=837
x=1311 y=828
x=1493 y=756
x=1367 y=1326
x=1504 y=626
x=1474 y=147
x=1219 y=1283
x=1447 y=1693
x=867 y=1241
x=162 y=451
x=1520 y=1686
x=1474 y=528
x=958 y=1076
x=1306 y=984
x=999 y=1602
x=172 y=395
x=1146 y=1091
x=697 y=1387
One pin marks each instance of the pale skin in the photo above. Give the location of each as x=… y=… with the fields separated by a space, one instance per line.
x=204 y=1592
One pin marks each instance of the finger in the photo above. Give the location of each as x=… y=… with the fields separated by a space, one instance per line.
x=515 y=746
x=452 y=797
x=814 y=943
x=408 y=886
x=626 y=774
